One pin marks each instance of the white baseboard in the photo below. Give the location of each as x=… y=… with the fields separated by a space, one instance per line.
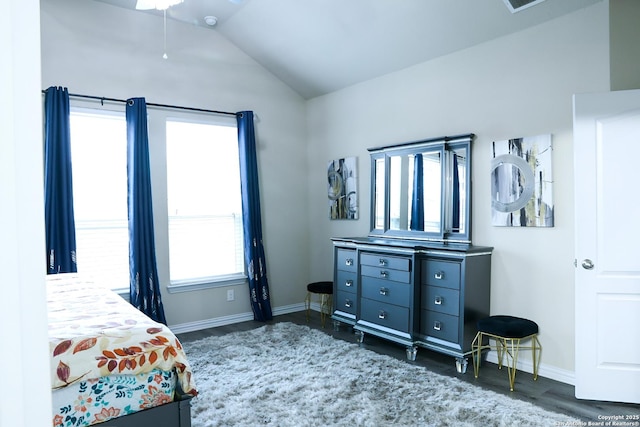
x=229 y=320
x=547 y=371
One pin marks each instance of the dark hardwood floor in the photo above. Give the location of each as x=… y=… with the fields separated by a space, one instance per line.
x=546 y=393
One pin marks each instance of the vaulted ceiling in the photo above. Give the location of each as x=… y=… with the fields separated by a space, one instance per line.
x=319 y=46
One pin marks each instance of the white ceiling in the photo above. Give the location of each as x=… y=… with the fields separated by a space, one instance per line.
x=319 y=46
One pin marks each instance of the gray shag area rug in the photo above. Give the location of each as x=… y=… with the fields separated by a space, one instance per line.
x=290 y=375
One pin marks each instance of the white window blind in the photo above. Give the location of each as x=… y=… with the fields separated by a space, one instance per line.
x=99 y=169
x=204 y=202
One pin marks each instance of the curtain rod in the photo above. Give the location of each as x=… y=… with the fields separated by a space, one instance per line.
x=102 y=99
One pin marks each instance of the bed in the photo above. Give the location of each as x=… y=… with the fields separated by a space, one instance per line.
x=110 y=364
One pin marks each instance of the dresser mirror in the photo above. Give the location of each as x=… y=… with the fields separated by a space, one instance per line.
x=422 y=190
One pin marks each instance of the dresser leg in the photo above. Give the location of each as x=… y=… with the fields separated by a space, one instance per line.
x=336 y=325
x=412 y=352
x=461 y=365
x=359 y=337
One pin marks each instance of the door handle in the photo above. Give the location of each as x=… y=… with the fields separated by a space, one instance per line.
x=587 y=264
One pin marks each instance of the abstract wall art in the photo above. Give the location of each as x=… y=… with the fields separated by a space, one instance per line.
x=522 y=182
x=342 y=180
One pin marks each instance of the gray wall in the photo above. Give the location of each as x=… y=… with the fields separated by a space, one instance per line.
x=624 y=31
x=520 y=85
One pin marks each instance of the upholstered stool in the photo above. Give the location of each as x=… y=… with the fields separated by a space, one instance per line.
x=507 y=332
x=325 y=290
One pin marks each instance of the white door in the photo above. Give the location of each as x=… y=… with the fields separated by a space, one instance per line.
x=606 y=131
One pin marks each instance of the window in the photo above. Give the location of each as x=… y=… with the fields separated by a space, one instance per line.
x=204 y=240
x=204 y=202
x=99 y=170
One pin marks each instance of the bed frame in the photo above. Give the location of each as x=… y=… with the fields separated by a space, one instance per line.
x=174 y=414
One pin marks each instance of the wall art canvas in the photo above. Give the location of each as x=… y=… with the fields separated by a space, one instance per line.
x=342 y=179
x=522 y=182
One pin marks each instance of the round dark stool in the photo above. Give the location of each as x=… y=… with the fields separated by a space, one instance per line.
x=325 y=290
x=507 y=332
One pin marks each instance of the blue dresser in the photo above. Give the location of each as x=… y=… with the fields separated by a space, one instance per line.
x=412 y=293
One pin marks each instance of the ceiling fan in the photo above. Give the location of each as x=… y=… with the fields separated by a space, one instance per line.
x=156 y=4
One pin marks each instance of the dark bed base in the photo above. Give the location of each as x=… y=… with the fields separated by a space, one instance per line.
x=174 y=414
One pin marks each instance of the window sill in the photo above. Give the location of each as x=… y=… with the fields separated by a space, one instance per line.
x=206 y=283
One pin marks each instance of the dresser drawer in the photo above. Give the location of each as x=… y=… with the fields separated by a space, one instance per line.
x=346 y=281
x=441 y=273
x=346 y=301
x=386 y=291
x=387 y=315
x=346 y=260
x=385 y=261
x=386 y=274
x=442 y=300
x=438 y=325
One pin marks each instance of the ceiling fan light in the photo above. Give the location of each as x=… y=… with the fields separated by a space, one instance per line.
x=156 y=4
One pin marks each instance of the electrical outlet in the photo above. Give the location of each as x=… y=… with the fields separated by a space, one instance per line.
x=230 y=295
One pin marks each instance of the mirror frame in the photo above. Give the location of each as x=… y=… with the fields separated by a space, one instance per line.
x=446 y=146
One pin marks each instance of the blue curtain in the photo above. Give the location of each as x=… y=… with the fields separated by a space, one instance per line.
x=144 y=289
x=417 y=198
x=456 y=195
x=58 y=184
x=251 y=219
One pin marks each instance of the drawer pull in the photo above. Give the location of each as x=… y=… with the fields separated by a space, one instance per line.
x=348 y=303
x=384 y=291
x=437 y=300
x=348 y=283
x=439 y=275
x=348 y=261
x=384 y=274
x=382 y=262
x=437 y=325
x=382 y=314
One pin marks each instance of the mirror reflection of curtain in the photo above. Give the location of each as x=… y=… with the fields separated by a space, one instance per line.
x=144 y=288
x=417 y=198
x=58 y=184
x=455 y=199
x=251 y=219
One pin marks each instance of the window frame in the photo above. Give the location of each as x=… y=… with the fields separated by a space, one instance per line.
x=84 y=107
x=197 y=283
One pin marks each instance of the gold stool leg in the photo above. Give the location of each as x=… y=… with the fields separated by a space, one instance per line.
x=323 y=303
x=512 y=360
x=536 y=349
x=501 y=349
x=476 y=347
x=307 y=304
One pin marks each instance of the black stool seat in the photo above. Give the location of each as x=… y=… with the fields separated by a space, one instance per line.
x=320 y=287
x=508 y=326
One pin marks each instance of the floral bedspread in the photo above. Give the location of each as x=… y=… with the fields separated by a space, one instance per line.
x=94 y=401
x=93 y=333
